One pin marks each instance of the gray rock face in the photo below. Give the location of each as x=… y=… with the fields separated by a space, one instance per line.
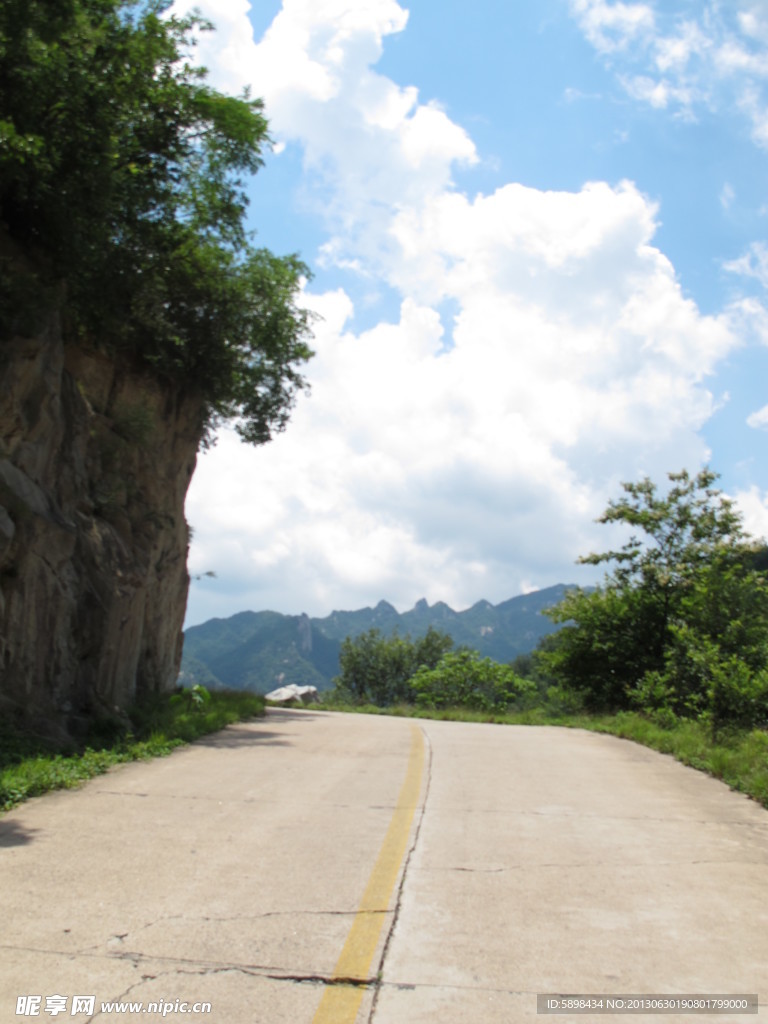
x=95 y=461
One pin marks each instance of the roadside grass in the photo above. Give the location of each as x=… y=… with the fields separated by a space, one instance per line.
x=737 y=757
x=30 y=765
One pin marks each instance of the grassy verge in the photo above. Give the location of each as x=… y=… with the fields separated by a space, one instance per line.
x=739 y=758
x=30 y=767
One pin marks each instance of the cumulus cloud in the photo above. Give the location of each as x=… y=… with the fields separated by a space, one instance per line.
x=369 y=144
x=543 y=350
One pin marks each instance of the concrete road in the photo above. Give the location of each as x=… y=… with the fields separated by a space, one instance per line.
x=462 y=869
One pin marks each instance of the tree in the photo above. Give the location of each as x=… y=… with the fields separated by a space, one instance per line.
x=378 y=669
x=121 y=176
x=600 y=651
x=689 y=582
x=464 y=679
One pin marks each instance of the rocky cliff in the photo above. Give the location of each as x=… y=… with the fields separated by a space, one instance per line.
x=95 y=460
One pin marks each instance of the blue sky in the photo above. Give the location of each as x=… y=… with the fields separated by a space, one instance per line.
x=537 y=234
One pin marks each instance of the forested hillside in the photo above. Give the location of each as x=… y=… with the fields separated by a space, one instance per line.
x=263 y=650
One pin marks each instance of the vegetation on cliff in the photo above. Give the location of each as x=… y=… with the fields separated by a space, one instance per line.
x=136 y=314
x=121 y=176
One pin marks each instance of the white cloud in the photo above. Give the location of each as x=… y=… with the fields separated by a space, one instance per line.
x=759 y=419
x=449 y=457
x=673 y=53
x=727 y=196
x=613 y=26
x=754 y=263
x=679 y=63
x=753 y=505
x=573 y=95
x=661 y=94
x=470 y=471
x=313 y=67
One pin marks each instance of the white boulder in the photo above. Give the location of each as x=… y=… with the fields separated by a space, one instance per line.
x=292 y=692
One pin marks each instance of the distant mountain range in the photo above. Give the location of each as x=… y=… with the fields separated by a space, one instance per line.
x=260 y=651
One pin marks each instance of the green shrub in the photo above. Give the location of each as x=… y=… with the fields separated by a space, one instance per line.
x=559 y=701
x=737 y=696
x=193 y=699
x=464 y=679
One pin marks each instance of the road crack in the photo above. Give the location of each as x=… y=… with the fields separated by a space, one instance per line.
x=323 y=979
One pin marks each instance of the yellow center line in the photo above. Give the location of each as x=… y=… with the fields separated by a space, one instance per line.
x=340 y=1003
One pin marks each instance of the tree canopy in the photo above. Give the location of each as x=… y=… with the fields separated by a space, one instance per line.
x=122 y=176
x=681 y=621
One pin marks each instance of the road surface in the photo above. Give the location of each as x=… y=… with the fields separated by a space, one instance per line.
x=341 y=869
